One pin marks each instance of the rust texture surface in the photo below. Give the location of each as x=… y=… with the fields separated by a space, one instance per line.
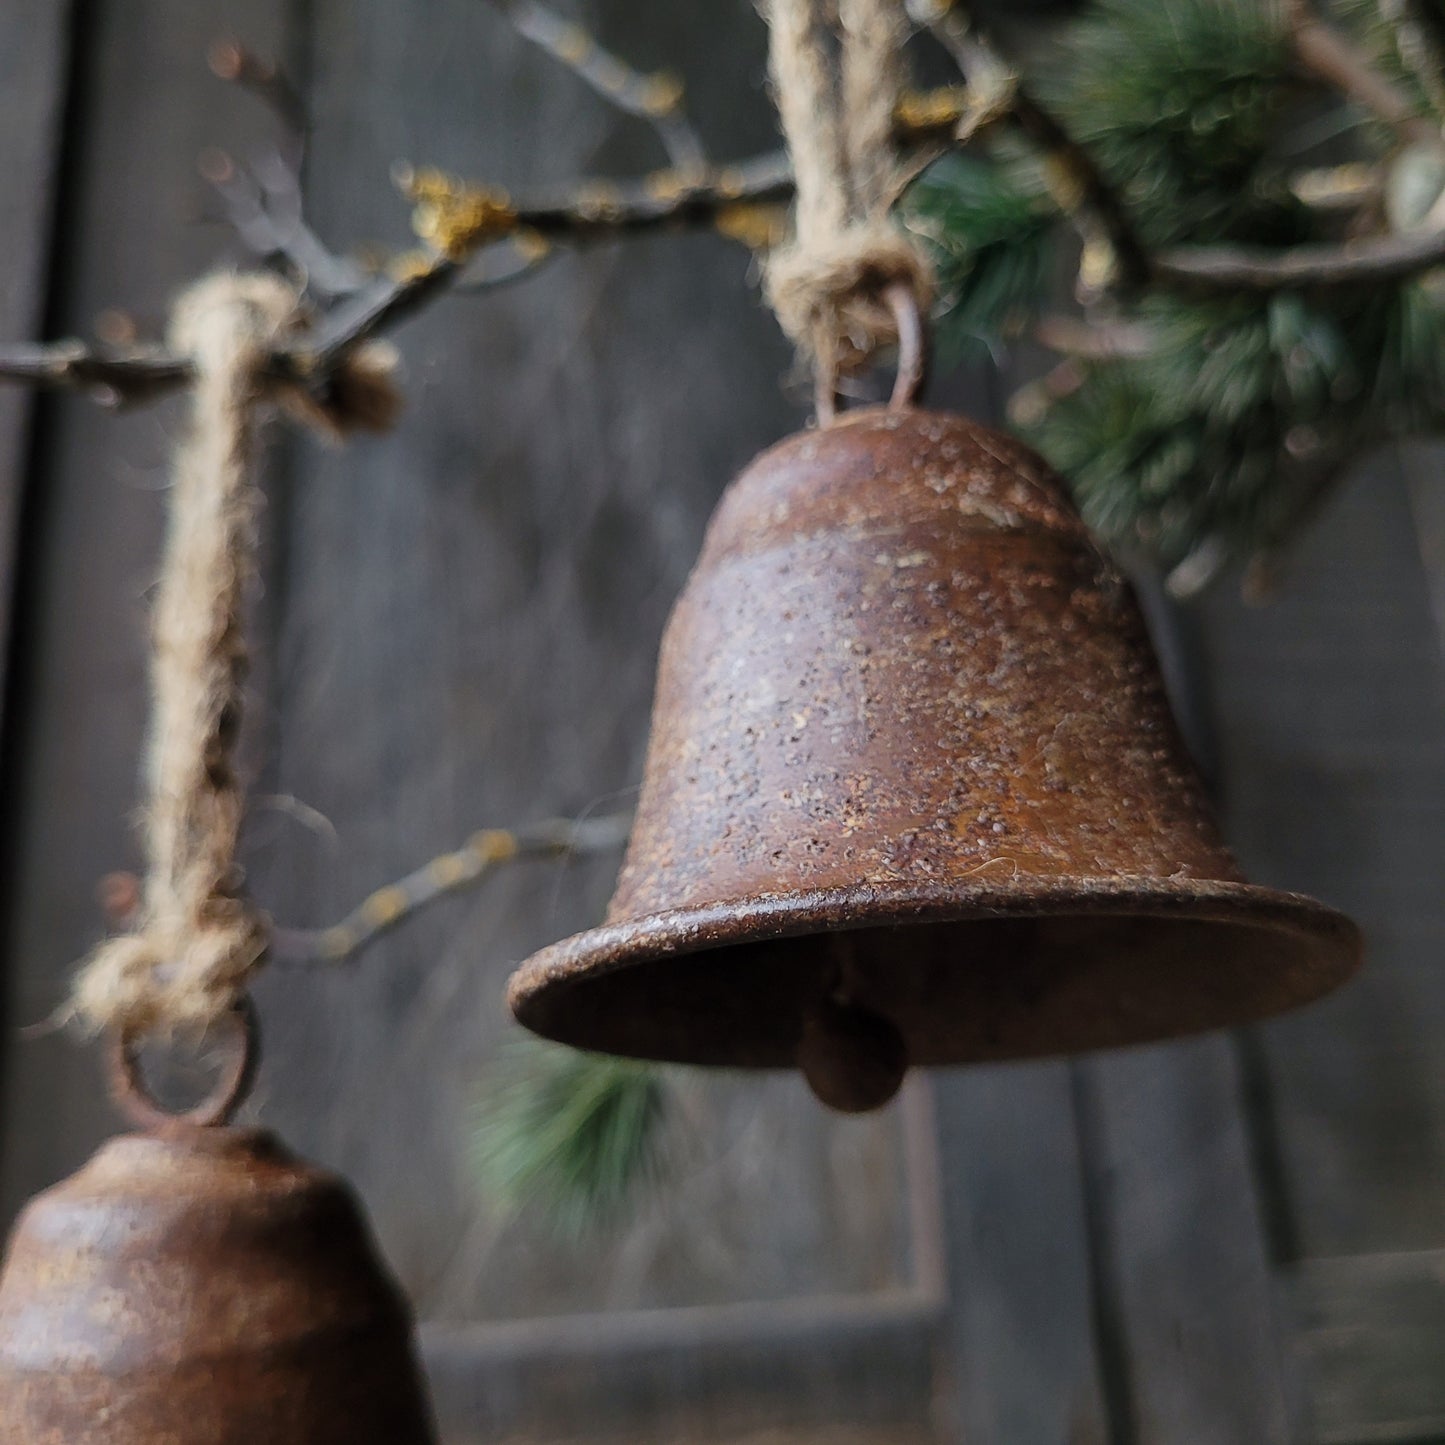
x=911 y=752
x=203 y=1286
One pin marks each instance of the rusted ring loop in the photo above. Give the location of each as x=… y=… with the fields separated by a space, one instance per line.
x=825 y=396
x=912 y=345
x=242 y=1040
x=912 y=357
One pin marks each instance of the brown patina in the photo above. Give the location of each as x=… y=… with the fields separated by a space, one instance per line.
x=911 y=755
x=201 y=1284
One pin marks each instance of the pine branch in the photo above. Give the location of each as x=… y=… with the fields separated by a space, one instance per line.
x=567 y=1138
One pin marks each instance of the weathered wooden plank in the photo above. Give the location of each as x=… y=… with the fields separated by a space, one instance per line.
x=33 y=51
x=130 y=222
x=1190 y=1345
x=33 y=54
x=1371 y=1345
x=1331 y=706
x=697 y=1374
x=1421 y=464
x=1022 y=1351
x=1188 y=1296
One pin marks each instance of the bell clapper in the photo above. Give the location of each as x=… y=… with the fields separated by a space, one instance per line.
x=853 y=1058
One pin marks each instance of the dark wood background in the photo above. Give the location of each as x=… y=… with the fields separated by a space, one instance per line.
x=1235 y=1240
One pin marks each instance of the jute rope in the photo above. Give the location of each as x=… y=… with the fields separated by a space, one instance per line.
x=828 y=285
x=198 y=940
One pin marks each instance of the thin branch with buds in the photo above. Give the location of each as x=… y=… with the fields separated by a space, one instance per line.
x=449 y=873
x=592 y=213
x=239 y=65
x=262 y=204
x=479 y=239
x=656 y=99
x=379 y=912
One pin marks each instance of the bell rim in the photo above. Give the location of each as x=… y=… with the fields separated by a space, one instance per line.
x=615 y=947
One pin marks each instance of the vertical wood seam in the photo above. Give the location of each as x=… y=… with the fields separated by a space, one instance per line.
x=37 y=418
x=1111 y=1348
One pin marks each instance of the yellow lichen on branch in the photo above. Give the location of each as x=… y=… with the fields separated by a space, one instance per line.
x=758 y=227
x=455 y=217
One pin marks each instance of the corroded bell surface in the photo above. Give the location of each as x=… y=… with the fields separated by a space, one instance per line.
x=203 y=1287
x=914 y=794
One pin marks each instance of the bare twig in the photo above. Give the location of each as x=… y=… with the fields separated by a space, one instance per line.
x=1331 y=58
x=114 y=376
x=1340 y=189
x=1364 y=262
x=1094 y=340
x=591 y=213
x=262 y=204
x=231 y=61
x=142 y=373
x=262 y=198
x=656 y=99
x=478 y=858
x=360 y=318
x=596 y=209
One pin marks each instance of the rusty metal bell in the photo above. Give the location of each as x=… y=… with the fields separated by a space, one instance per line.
x=914 y=794
x=201 y=1286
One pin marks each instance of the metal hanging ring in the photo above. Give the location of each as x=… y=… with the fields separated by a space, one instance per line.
x=241 y=1040
x=912 y=345
x=912 y=358
x=825 y=397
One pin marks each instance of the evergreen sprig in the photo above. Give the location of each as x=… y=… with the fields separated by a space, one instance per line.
x=1180 y=103
x=992 y=237
x=1221 y=435
x=569 y=1138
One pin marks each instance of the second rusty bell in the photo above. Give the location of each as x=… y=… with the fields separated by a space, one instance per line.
x=202 y=1286
x=914 y=794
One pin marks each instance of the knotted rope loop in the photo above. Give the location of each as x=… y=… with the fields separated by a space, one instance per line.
x=836 y=286
x=198 y=940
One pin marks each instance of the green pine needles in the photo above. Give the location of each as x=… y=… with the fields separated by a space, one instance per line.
x=992 y=236
x=1227 y=431
x=570 y=1138
x=1180 y=104
x=1216 y=429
